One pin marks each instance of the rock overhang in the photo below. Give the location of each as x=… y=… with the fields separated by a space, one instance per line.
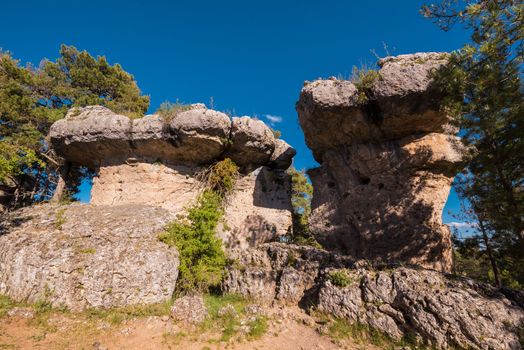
x=93 y=136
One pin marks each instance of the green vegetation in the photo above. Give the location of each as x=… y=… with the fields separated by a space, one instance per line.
x=32 y=98
x=340 y=278
x=485 y=97
x=6 y=304
x=60 y=218
x=301 y=194
x=226 y=313
x=168 y=110
x=364 y=78
x=202 y=258
x=276 y=133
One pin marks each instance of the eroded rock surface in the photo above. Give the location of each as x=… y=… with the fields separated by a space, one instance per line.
x=387 y=162
x=441 y=310
x=82 y=256
x=94 y=136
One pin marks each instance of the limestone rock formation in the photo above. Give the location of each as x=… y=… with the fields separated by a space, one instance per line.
x=152 y=161
x=439 y=310
x=387 y=160
x=94 y=136
x=82 y=256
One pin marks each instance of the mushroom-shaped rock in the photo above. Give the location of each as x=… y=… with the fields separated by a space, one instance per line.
x=282 y=156
x=201 y=135
x=252 y=142
x=387 y=162
x=89 y=134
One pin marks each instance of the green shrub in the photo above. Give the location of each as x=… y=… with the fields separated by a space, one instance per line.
x=169 y=110
x=6 y=304
x=340 y=278
x=202 y=259
x=364 y=78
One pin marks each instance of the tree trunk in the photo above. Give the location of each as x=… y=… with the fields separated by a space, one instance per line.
x=491 y=257
x=61 y=185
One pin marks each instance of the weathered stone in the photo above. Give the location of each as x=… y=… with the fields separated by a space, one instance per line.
x=80 y=256
x=252 y=142
x=93 y=136
x=189 y=309
x=200 y=134
x=283 y=155
x=258 y=210
x=88 y=135
x=387 y=163
x=441 y=310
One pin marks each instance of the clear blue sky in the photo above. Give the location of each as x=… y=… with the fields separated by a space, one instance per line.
x=251 y=57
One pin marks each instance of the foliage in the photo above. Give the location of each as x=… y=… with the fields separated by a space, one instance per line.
x=6 y=304
x=168 y=110
x=340 y=278
x=202 y=259
x=364 y=78
x=301 y=194
x=32 y=98
x=229 y=323
x=276 y=133
x=485 y=96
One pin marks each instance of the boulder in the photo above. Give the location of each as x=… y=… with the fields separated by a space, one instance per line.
x=189 y=309
x=252 y=142
x=94 y=136
x=282 y=156
x=81 y=256
x=201 y=135
x=442 y=311
x=387 y=159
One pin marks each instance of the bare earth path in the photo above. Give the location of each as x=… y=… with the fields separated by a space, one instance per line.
x=69 y=331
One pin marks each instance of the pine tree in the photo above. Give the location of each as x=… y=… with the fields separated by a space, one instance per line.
x=32 y=98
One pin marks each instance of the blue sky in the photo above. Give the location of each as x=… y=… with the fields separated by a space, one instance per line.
x=250 y=57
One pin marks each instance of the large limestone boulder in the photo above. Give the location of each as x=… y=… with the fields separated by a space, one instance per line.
x=442 y=311
x=94 y=136
x=387 y=163
x=252 y=142
x=82 y=256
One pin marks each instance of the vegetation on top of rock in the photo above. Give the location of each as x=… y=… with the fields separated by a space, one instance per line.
x=168 y=110
x=202 y=258
x=340 y=278
x=364 y=78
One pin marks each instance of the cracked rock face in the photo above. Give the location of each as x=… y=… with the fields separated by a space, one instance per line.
x=437 y=309
x=94 y=136
x=387 y=163
x=81 y=256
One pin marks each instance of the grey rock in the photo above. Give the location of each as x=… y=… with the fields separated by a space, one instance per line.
x=201 y=135
x=282 y=156
x=189 y=309
x=81 y=256
x=94 y=136
x=442 y=310
x=252 y=142
x=387 y=163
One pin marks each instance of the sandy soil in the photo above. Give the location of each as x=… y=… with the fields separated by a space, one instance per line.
x=69 y=331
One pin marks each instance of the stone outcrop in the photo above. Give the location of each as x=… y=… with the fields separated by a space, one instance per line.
x=81 y=256
x=156 y=161
x=387 y=162
x=94 y=136
x=433 y=308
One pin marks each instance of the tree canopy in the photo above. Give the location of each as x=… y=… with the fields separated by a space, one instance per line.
x=32 y=98
x=486 y=100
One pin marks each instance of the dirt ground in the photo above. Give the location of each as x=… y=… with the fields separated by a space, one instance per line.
x=69 y=331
